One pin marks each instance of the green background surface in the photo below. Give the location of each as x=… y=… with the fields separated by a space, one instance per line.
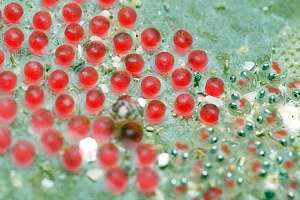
x=232 y=32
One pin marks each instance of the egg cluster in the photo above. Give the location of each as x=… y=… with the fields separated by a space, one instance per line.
x=241 y=135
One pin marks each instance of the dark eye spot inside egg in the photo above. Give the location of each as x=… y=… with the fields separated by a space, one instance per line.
x=126 y=107
x=131 y=132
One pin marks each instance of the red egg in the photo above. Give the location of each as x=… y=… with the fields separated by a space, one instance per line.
x=23 y=153
x=79 y=127
x=184 y=105
x=147 y=180
x=122 y=43
x=145 y=154
x=106 y=4
x=33 y=72
x=127 y=17
x=8 y=82
x=108 y=155
x=120 y=81
x=214 y=87
x=99 y=26
x=38 y=42
x=52 y=141
x=34 y=97
x=49 y=3
x=150 y=87
x=95 y=52
x=41 y=120
x=181 y=79
x=74 y=33
x=42 y=21
x=198 y=60
x=2 y=57
x=13 y=39
x=71 y=12
x=8 y=110
x=72 y=159
x=5 y=139
x=102 y=129
x=155 y=112
x=64 y=106
x=134 y=64
x=164 y=63
x=64 y=55
x=116 y=180
x=88 y=77
x=209 y=114
x=182 y=41
x=13 y=13
x=58 y=81
x=150 y=39
x=94 y=101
